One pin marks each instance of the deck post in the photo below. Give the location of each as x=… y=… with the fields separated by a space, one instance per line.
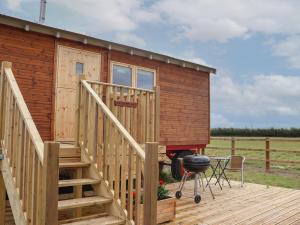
x=2 y=199
x=267 y=161
x=151 y=183
x=232 y=146
x=50 y=182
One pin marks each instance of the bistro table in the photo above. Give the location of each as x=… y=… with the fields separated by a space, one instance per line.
x=218 y=169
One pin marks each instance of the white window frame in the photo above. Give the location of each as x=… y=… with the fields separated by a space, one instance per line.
x=134 y=70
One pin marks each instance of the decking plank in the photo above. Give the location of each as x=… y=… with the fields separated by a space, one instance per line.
x=252 y=204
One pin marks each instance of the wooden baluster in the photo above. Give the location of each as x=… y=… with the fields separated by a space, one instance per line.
x=124 y=172
x=147 y=117
x=130 y=183
x=138 y=194
x=157 y=113
x=118 y=149
x=150 y=183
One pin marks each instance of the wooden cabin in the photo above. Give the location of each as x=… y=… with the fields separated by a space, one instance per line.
x=98 y=103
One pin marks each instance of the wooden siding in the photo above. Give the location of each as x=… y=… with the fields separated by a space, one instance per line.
x=184 y=92
x=32 y=56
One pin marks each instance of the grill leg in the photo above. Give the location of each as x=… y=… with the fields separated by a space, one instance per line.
x=197 y=182
x=212 y=194
x=183 y=180
x=203 y=188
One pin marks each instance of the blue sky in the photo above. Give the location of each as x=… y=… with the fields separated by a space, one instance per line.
x=255 y=46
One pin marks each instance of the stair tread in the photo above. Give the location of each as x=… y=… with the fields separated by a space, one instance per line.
x=73 y=164
x=106 y=220
x=82 y=202
x=77 y=182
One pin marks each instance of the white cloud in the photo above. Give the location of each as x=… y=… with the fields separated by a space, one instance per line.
x=290 y=48
x=218 y=120
x=223 y=20
x=130 y=39
x=13 y=4
x=263 y=95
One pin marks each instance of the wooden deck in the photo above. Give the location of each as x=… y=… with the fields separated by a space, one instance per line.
x=252 y=204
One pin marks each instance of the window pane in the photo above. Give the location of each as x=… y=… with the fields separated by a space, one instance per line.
x=79 y=68
x=145 y=79
x=122 y=75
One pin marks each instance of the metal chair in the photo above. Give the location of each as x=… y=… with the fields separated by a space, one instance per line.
x=236 y=164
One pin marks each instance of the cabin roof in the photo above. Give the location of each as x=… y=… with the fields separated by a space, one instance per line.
x=60 y=33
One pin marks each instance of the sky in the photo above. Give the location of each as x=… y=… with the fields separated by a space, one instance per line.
x=253 y=44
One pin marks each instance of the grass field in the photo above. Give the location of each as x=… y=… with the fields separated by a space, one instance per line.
x=281 y=174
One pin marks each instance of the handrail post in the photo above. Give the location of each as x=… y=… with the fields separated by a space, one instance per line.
x=2 y=200
x=232 y=146
x=50 y=182
x=151 y=183
x=267 y=160
x=4 y=65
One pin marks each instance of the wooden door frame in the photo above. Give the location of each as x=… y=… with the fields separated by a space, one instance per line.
x=55 y=78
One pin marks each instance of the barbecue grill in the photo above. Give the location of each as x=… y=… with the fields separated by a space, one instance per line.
x=196 y=164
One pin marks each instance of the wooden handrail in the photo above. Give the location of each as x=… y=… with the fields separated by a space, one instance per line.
x=117 y=156
x=26 y=116
x=30 y=166
x=119 y=86
x=115 y=121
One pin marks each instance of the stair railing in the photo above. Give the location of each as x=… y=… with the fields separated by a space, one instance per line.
x=30 y=166
x=118 y=157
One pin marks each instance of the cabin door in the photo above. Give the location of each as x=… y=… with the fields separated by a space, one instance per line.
x=71 y=65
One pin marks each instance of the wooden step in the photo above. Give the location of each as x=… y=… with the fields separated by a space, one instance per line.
x=73 y=164
x=82 y=202
x=106 y=220
x=69 y=153
x=77 y=219
x=77 y=182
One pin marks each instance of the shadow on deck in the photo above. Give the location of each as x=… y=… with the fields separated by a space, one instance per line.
x=252 y=204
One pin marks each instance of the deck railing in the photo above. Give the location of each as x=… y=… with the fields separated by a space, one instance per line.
x=232 y=143
x=137 y=109
x=30 y=166
x=117 y=155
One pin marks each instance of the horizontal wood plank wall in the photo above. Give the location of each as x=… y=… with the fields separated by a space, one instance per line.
x=184 y=92
x=184 y=100
x=32 y=56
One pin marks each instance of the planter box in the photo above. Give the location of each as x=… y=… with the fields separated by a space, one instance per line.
x=166 y=210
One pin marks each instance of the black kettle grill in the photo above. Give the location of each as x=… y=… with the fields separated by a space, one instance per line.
x=196 y=164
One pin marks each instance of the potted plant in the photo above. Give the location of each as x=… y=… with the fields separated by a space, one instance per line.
x=166 y=205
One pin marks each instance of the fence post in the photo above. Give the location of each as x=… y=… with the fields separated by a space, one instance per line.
x=50 y=182
x=232 y=146
x=267 y=154
x=202 y=151
x=151 y=183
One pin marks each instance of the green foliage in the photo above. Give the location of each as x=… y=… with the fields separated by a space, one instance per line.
x=246 y=132
x=162 y=192
x=166 y=176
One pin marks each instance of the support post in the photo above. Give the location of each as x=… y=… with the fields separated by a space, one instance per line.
x=50 y=182
x=2 y=199
x=3 y=87
x=232 y=146
x=267 y=155
x=151 y=184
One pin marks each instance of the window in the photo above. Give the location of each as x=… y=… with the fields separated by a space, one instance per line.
x=79 y=68
x=122 y=75
x=145 y=79
x=133 y=76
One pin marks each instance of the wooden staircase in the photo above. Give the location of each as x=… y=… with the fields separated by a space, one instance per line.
x=79 y=206
x=89 y=182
